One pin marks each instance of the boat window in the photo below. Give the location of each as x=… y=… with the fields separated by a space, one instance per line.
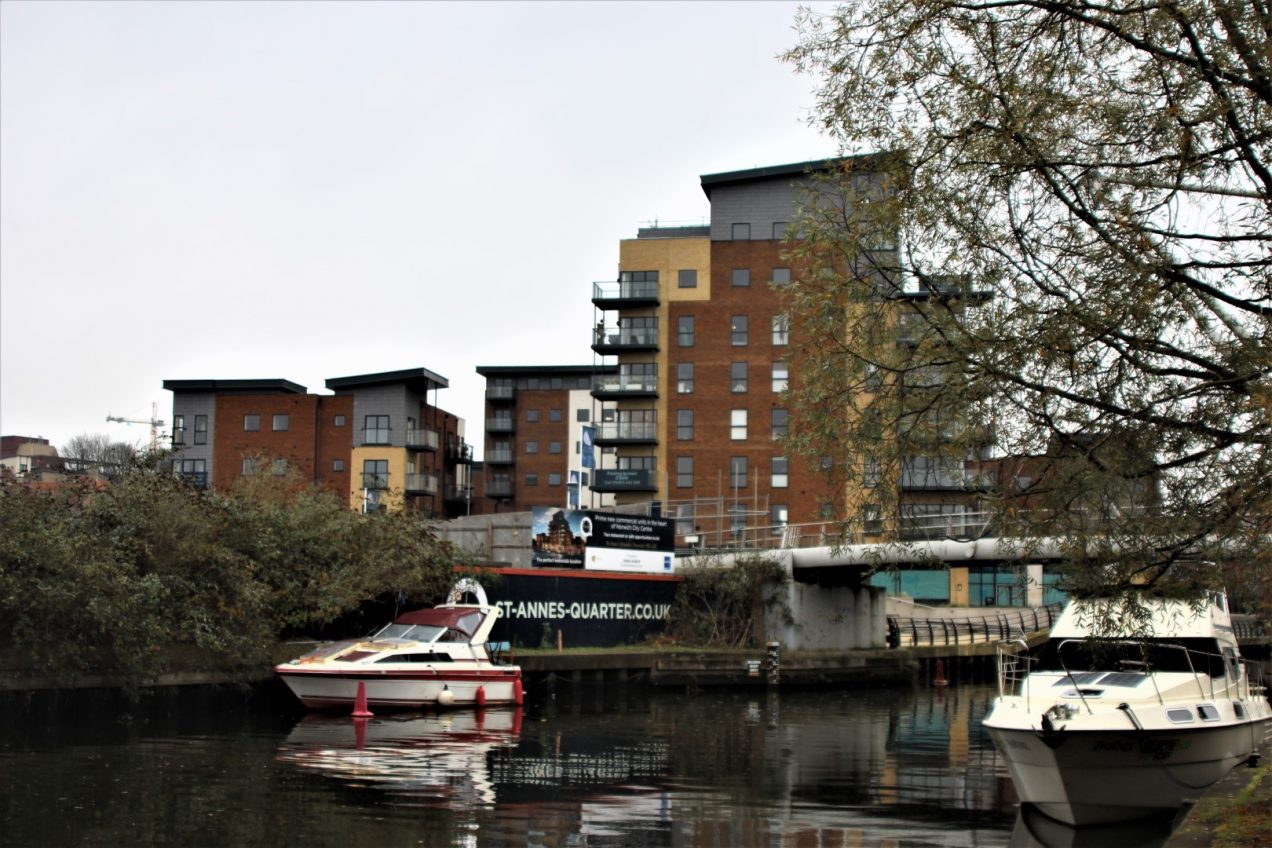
x=1238 y=709
x=1185 y=654
x=1179 y=716
x=1123 y=678
x=1083 y=693
x=354 y=656
x=1079 y=678
x=1207 y=712
x=414 y=632
x=416 y=658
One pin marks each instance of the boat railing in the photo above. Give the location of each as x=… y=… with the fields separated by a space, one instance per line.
x=1204 y=677
x=1014 y=665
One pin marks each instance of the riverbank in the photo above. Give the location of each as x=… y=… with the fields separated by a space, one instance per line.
x=1234 y=813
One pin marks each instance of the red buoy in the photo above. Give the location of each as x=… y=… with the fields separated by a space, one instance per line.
x=518 y=694
x=481 y=696
x=939 y=679
x=360 y=703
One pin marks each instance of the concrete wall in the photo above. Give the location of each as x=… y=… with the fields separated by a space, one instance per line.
x=831 y=618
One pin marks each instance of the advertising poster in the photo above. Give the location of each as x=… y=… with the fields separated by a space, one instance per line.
x=602 y=541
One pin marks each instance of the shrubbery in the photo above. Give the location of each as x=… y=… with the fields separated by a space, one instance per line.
x=113 y=580
x=724 y=607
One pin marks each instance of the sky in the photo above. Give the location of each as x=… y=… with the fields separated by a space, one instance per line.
x=312 y=190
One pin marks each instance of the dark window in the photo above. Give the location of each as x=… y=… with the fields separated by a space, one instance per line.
x=532 y=415
x=779 y=229
x=281 y=421
x=532 y=479
x=339 y=421
x=554 y=478
x=684 y=378
x=375 y=430
x=337 y=465
x=684 y=472
x=178 y=429
x=375 y=474
x=684 y=425
x=741 y=277
x=737 y=472
x=251 y=423
x=737 y=377
x=688 y=278
x=554 y=447
x=583 y=415
x=781 y=423
x=781 y=276
x=738 y=330
x=532 y=447
x=779 y=472
x=740 y=232
x=554 y=415
x=685 y=331
x=200 y=429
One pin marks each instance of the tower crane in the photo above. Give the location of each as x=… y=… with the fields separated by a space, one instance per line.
x=153 y=421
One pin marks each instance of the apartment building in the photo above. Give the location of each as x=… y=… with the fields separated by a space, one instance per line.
x=536 y=417
x=379 y=440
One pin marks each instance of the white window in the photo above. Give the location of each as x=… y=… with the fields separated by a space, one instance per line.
x=737 y=424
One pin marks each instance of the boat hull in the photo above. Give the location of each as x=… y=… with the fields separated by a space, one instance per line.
x=415 y=688
x=1099 y=777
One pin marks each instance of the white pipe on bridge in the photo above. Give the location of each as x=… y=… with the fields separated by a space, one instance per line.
x=944 y=550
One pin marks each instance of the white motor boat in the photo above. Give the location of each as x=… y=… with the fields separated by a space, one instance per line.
x=434 y=657
x=1098 y=730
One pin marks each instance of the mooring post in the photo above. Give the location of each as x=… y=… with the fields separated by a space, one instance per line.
x=774 y=663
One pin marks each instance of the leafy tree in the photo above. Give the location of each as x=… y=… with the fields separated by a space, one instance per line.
x=1069 y=230
x=723 y=607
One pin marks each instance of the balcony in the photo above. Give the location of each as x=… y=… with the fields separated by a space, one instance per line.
x=623 y=480
x=500 y=392
x=624 y=385
x=422 y=440
x=503 y=424
x=624 y=294
x=457 y=494
x=499 y=488
x=627 y=433
x=499 y=457
x=459 y=452
x=421 y=484
x=613 y=340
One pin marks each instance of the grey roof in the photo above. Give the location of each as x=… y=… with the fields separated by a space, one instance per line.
x=420 y=379
x=275 y=385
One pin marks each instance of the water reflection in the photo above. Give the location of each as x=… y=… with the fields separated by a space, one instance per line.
x=1035 y=830
x=440 y=758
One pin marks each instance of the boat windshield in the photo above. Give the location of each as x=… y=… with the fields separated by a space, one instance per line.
x=413 y=632
x=1197 y=655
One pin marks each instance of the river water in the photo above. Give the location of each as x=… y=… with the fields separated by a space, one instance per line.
x=584 y=767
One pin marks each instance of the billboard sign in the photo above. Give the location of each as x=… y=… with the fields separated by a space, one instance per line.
x=604 y=541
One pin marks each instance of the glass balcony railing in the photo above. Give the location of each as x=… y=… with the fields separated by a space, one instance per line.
x=627 y=431
x=624 y=384
x=501 y=488
x=498 y=457
x=644 y=291
x=421 y=484
x=499 y=425
x=625 y=337
x=422 y=439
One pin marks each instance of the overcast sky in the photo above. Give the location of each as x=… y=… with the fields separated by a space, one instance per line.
x=315 y=190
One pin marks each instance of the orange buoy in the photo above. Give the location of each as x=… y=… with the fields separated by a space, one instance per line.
x=360 y=703
x=939 y=679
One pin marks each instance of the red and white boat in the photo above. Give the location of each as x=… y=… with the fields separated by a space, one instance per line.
x=434 y=657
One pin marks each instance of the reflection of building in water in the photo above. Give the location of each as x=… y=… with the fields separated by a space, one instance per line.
x=559 y=538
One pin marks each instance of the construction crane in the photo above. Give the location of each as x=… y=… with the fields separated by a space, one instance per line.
x=153 y=421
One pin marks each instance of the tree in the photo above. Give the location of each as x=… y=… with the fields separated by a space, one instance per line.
x=1070 y=224
x=97 y=447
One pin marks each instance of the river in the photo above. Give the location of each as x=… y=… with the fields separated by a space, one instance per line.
x=585 y=767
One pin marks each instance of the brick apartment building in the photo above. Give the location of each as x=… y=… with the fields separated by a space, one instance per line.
x=534 y=419
x=379 y=440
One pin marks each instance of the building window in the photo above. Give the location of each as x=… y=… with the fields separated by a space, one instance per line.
x=554 y=415
x=249 y=466
x=688 y=278
x=554 y=447
x=337 y=465
x=737 y=472
x=684 y=378
x=781 y=331
x=375 y=474
x=532 y=479
x=781 y=423
x=532 y=447
x=339 y=421
x=779 y=515
x=779 y=476
x=554 y=478
x=532 y=415
x=740 y=232
x=684 y=520
x=737 y=378
x=741 y=277
x=871 y=519
x=781 y=276
x=278 y=467
x=178 y=430
x=200 y=429
x=684 y=425
x=738 y=330
x=194 y=471
x=871 y=472
x=685 y=331
x=251 y=423
x=281 y=421
x=779 y=230
x=584 y=415
x=737 y=424
x=781 y=377
x=375 y=430
x=684 y=472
